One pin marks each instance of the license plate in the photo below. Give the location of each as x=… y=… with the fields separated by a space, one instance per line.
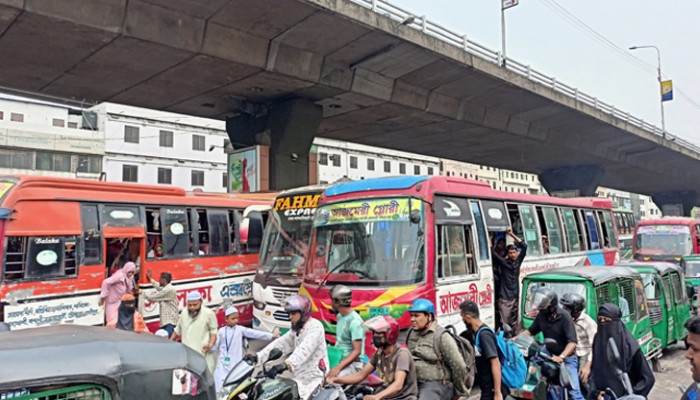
x=376 y=311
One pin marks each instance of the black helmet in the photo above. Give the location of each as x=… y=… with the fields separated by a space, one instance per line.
x=547 y=300
x=342 y=294
x=575 y=302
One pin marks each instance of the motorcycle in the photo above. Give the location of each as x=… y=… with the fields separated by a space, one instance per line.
x=348 y=392
x=616 y=361
x=545 y=378
x=555 y=374
x=248 y=387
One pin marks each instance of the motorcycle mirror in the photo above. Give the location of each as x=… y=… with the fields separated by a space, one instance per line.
x=275 y=354
x=614 y=358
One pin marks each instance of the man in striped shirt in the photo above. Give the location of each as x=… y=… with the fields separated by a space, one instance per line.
x=165 y=295
x=586 y=329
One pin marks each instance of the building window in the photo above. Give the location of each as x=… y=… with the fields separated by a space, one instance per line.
x=166 y=139
x=89 y=164
x=131 y=134
x=198 y=142
x=387 y=166
x=353 y=162
x=402 y=168
x=370 y=164
x=16 y=159
x=225 y=180
x=336 y=160
x=430 y=170
x=416 y=170
x=2 y=115
x=58 y=122
x=165 y=176
x=73 y=125
x=323 y=158
x=197 y=178
x=16 y=117
x=130 y=173
x=43 y=161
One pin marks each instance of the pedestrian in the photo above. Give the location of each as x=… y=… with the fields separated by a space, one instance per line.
x=129 y=319
x=197 y=328
x=165 y=295
x=349 y=334
x=603 y=375
x=509 y=282
x=230 y=345
x=488 y=364
x=114 y=287
x=441 y=370
x=693 y=355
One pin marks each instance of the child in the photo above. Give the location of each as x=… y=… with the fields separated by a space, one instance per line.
x=229 y=344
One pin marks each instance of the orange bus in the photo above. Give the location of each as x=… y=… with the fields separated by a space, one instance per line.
x=61 y=238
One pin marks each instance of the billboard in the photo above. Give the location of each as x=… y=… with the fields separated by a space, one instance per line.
x=244 y=170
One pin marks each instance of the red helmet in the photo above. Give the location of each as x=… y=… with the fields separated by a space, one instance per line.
x=384 y=324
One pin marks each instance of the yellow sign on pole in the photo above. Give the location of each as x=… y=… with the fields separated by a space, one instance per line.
x=667 y=90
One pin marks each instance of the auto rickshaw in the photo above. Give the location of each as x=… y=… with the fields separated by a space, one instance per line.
x=666 y=298
x=72 y=361
x=621 y=286
x=691 y=269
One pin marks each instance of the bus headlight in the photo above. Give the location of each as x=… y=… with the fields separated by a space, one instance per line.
x=259 y=305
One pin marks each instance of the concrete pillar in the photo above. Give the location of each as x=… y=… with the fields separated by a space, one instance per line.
x=582 y=180
x=289 y=129
x=676 y=203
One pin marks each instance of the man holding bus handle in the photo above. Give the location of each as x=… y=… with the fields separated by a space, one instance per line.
x=509 y=287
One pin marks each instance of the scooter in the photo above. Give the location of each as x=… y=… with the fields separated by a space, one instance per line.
x=555 y=375
x=535 y=386
x=616 y=361
x=248 y=387
x=349 y=392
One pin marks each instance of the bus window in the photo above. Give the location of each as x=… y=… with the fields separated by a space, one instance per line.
x=496 y=216
x=582 y=229
x=253 y=226
x=202 y=223
x=592 y=230
x=218 y=232
x=92 y=236
x=234 y=223
x=40 y=257
x=606 y=224
x=554 y=234
x=120 y=216
x=531 y=233
x=455 y=256
x=572 y=232
x=484 y=251
x=176 y=232
x=515 y=220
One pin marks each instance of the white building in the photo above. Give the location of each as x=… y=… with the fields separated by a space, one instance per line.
x=41 y=138
x=338 y=159
x=154 y=147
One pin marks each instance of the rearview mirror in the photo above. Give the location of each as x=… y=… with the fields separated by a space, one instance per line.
x=614 y=358
x=275 y=354
x=415 y=216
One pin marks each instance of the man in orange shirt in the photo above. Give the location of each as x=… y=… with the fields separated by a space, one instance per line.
x=128 y=318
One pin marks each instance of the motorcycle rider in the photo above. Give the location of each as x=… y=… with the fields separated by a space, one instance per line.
x=440 y=372
x=350 y=336
x=305 y=341
x=555 y=323
x=393 y=363
x=586 y=329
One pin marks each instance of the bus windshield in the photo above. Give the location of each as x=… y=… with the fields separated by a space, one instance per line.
x=375 y=242
x=663 y=240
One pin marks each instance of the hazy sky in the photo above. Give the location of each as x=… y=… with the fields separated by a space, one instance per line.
x=538 y=36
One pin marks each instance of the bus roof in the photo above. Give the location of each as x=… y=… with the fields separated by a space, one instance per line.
x=596 y=274
x=303 y=189
x=49 y=188
x=669 y=221
x=661 y=267
x=428 y=186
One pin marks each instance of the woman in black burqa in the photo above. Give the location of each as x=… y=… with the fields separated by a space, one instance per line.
x=635 y=364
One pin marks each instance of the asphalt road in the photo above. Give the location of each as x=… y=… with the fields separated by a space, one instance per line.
x=675 y=372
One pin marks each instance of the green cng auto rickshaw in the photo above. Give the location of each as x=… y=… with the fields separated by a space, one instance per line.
x=621 y=286
x=691 y=269
x=666 y=298
x=86 y=362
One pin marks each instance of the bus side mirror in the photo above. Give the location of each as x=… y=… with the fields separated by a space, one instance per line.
x=415 y=217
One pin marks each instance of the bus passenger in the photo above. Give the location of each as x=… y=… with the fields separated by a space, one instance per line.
x=350 y=337
x=114 y=287
x=129 y=319
x=393 y=363
x=509 y=285
x=437 y=369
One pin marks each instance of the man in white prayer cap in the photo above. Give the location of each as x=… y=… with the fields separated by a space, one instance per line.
x=230 y=345
x=197 y=328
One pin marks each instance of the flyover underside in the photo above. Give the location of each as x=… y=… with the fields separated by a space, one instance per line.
x=379 y=83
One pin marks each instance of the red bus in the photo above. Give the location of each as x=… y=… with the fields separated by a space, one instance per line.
x=61 y=238
x=393 y=240
x=666 y=239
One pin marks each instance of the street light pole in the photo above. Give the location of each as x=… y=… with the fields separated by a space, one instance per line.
x=658 y=71
x=503 y=34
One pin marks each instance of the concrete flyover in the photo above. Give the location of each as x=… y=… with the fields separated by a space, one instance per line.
x=341 y=70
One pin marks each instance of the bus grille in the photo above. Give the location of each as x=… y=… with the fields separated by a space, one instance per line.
x=281 y=316
x=282 y=294
x=655 y=315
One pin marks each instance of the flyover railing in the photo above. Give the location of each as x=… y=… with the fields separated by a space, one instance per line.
x=428 y=27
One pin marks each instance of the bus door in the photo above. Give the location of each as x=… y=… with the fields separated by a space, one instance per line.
x=123 y=244
x=695 y=232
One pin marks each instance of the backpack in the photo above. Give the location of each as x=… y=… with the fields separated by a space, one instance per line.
x=514 y=371
x=466 y=350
